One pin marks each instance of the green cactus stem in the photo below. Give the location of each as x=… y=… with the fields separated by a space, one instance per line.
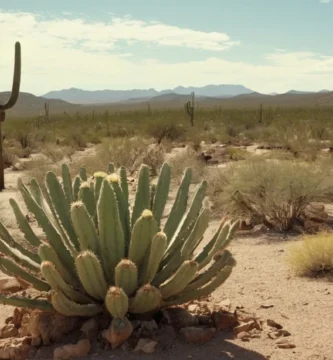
x=116 y=302
x=16 y=80
x=57 y=283
x=147 y=298
x=68 y=307
x=110 y=230
x=24 y=302
x=67 y=183
x=84 y=227
x=202 y=292
x=87 y=196
x=126 y=276
x=142 y=194
x=157 y=250
x=177 y=283
x=91 y=274
x=162 y=192
x=142 y=234
x=17 y=270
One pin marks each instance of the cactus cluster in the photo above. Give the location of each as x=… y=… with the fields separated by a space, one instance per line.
x=100 y=253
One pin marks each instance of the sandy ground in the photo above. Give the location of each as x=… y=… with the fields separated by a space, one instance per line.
x=304 y=307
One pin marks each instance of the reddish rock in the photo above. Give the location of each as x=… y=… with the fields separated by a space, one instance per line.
x=224 y=320
x=196 y=335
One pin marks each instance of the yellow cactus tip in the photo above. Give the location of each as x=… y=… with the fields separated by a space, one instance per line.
x=84 y=185
x=126 y=263
x=100 y=174
x=113 y=178
x=115 y=291
x=46 y=263
x=77 y=204
x=147 y=214
x=162 y=234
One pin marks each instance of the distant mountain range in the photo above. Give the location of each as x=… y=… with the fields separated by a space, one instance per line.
x=79 y=96
x=30 y=105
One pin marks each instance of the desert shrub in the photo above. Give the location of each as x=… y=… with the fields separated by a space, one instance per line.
x=187 y=157
x=270 y=191
x=160 y=130
x=312 y=256
x=9 y=159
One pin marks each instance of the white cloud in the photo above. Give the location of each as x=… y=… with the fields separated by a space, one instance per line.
x=325 y=1
x=62 y=53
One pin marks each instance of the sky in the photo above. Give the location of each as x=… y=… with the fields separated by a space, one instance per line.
x=265 y=45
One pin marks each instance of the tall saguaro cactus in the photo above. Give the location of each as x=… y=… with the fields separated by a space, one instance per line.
x=189 y=109
x=10 y=103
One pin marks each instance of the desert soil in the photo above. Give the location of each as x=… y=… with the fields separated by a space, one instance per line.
x=261 y=283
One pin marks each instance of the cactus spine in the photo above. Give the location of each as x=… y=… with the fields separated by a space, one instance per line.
x=116 y=302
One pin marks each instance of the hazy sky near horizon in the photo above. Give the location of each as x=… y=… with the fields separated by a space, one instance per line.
x=265 y=45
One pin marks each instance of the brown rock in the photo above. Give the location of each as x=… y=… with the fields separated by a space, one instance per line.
x=245 y=327
x=244 y=336
x=284 y=344
x=90 y=328
x=146 y=346
x=224 y=320
x=8 y=331
x=180 y=318
x=78 y=350
x=274 y=324
x=196 y=335
x=205 y=320
x=9 y=284
x=15 y=348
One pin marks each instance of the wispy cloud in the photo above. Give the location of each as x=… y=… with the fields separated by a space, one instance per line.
x=64 y=52
x=324 y=1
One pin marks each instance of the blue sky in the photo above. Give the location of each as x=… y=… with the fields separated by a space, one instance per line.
x=265 y=45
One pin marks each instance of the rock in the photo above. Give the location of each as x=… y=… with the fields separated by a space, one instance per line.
x=196 y=335
x=284 y=344
x=78 y=350
x=266 y=306
x=274 y=324
x=225 y=304
x=146 y=346
x=8 y=331
x=9 y=284
x=180 y=318
x=17 y=166
x=205 y=320
x=90 y=328
x=244 y=336
x=118 y=332
x=51 y=327
x=148 y=328
x=15 y=348
x=224 y=320
x=245 y=327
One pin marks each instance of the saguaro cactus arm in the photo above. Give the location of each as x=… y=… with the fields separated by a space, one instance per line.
x=16 y=80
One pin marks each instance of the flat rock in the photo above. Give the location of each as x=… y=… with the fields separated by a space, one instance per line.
x=196 y=335
x=9 y=284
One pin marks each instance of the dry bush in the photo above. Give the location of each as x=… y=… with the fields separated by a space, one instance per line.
x=187 y=157
x=56 y=154
x=9 y=159
x=160 y=130
x=313 y=256
x=271 y=192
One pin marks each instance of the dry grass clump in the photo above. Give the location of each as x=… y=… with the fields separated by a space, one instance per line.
x=9 y=159
x=270 y=192
x=313 y=256
x=187 y=157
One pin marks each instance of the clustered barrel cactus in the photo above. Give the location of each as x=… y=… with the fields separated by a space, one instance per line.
x=100 y=254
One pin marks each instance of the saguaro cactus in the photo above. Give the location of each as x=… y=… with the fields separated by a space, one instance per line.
x=189 y=109
x=10 y=103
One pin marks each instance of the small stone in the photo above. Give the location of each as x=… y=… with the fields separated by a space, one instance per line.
x=148 y=328
x=198 y=336
x=193 y=308
x=244 y=327
x=244 y=336
x=224 y=320
x=274 y=324
x=283 y=333
x=8 y=331
x=146 y=346
x=205 y=320
x=180 y=318
x=90 y=328
x=284 y=344
x=266 y=306
x=9 y=284
x=15 y=348
x=226 y=303
x=78 y=350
